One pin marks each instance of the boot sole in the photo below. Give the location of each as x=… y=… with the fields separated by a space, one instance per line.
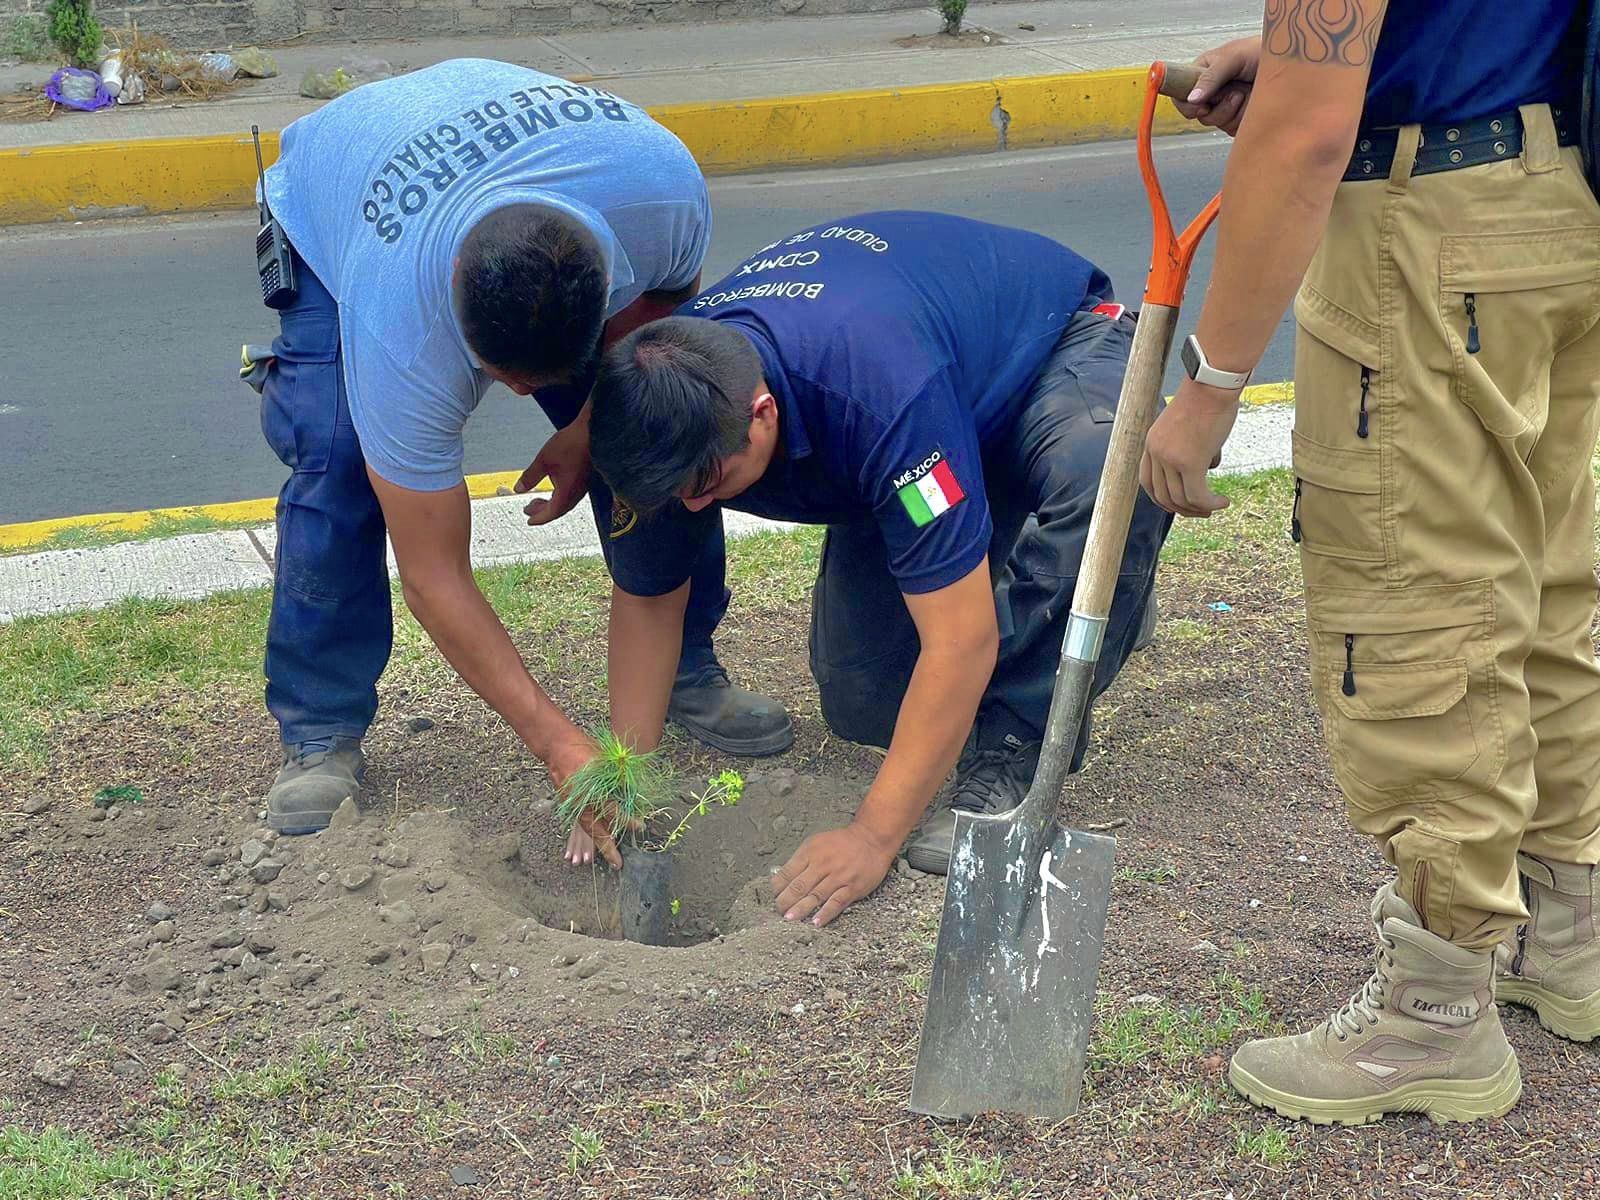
x=1575 y=1020
x=1441 y=1100
x=928 y=862
x=766 y=747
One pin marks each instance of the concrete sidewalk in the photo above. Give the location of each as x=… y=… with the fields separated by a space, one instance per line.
x=197 y=565
x=710 y=63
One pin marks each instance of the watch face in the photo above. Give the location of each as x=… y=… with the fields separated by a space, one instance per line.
x=1190 y=356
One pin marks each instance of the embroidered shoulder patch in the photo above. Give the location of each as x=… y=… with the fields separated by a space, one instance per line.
x=929 y=490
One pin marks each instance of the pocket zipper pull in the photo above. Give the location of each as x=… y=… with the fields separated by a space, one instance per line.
x=1349 y=686
x=1473 y=345
x=1294 y=515
x=1361 y=417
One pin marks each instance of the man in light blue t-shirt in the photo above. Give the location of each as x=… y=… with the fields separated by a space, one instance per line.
x=467 y=223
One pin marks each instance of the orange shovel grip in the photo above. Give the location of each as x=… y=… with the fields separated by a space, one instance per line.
x=1173 y=253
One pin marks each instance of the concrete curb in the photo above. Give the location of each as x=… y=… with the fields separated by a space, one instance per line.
x=170 y=175
x=37 y=535
x=196 y=565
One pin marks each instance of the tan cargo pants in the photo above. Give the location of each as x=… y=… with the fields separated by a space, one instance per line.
x=1448 y=392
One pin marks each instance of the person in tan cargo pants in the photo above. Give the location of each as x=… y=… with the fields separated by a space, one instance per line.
x=1414 y=173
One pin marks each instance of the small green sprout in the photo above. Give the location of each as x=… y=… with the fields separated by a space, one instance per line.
x=723 y=790
x=677 y=906
x=620 y=786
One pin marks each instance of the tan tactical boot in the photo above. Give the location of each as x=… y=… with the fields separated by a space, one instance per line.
x=1553 y=967
x=1423 y=1035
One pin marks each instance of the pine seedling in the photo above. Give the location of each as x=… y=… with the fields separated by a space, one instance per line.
x=622 y=787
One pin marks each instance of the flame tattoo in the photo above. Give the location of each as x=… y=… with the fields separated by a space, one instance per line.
x=1338 y=32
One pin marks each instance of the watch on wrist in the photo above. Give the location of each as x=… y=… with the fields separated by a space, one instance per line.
x=1201 y=371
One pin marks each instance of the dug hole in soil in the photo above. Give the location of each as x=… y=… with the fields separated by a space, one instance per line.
x=418 y=911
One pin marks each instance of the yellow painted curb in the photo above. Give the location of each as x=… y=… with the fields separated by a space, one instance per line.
x=168 y=175
x=32 y=535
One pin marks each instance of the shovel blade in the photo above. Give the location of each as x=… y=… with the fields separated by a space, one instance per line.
x=1011 y=1000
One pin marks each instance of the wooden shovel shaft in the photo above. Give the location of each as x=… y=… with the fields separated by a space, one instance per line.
x=1102 y=559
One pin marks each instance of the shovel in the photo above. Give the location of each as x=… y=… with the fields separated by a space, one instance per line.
x=1011 y=1001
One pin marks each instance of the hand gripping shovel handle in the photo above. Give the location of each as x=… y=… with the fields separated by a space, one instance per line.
x=1170 y=263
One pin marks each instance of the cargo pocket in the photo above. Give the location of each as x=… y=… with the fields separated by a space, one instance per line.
x=1405 y=682
x=1336 y=374
x=1509 y=302
x=1336 y=509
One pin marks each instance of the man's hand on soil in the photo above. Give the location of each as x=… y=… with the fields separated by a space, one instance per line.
x=565 y=460
x=830 y=872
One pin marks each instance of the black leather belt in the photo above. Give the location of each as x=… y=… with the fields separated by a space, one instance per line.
x=1453 y=146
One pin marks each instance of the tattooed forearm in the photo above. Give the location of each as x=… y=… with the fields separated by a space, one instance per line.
x=1338 y=32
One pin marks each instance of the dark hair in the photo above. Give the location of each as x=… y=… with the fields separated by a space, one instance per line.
x=672 y=400
x=531 y=292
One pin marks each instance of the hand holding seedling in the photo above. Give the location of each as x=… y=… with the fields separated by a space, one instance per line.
x=614 y=793
x=831 y=871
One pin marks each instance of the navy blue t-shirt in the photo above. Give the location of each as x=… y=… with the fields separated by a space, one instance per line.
x=898 y=346
x=1454 y=60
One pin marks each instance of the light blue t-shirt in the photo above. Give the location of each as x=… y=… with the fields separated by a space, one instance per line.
x=378 y=189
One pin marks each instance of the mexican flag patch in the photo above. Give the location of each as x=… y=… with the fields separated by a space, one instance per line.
x=929 y=490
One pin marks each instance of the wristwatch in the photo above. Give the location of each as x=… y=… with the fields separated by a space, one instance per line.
x=1201 y=371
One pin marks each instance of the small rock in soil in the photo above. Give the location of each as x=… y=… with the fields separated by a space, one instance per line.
x=277 y=901
x=214 y=857
x=163 y=931
x=306 y=974
x=202 y=988
x=394 y=855
x=260 y=941
x=834 y=996
x=378 y=954
x=435 y=955
x=461 y=1176
x=432 y=1032
x=504 y=848
x=435 y=881
x=346 y=815
x=563 y=960
x=35 y=807
x=95 y=814
x=684 y=1053
x=419 y=724
x=394 y=888
x=159 y=1034
x=355 y=878
x=52 y=1074
x=398 y=914
x=250 y=966
x=429 y=919
x=174 y=1018
x=590 y=966
x=226 y=938
x=158 y=974
x=484 y=972
x=781 y=782
x=113 y=812
x=618 y=986
x=233 y=956
x=259 y=902
x=252 y=852
x=159 y=911
x=324 y=877
x=267 y=870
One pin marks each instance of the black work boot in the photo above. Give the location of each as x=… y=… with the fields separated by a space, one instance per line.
x=987 y=781
x=730 y=719
x=1147 y=625
x=314 y=780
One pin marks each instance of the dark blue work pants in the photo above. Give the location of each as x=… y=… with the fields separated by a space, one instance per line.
x=331 y=628
x=1040 y=481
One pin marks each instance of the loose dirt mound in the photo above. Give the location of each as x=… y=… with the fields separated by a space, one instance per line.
x=397 y=914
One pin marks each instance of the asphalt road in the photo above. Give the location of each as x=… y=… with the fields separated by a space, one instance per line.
x=119 y=341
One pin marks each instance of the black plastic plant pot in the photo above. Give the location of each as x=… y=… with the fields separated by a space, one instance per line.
x=645 y=895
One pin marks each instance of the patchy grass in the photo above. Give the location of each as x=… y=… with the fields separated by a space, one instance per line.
x=952 y=1169
x=1161 y=1034
x=584 y=1148
x=1268 y=1145
x=1258 y=514
x=1163 y=872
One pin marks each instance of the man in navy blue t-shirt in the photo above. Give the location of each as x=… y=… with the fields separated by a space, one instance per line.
x=938 y=392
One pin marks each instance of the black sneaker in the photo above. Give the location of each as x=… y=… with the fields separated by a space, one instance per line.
x=987 y=781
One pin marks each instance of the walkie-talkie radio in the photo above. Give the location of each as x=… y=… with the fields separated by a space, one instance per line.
x=274 y=262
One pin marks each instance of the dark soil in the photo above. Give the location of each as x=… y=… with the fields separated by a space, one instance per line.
x=468 y=1017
